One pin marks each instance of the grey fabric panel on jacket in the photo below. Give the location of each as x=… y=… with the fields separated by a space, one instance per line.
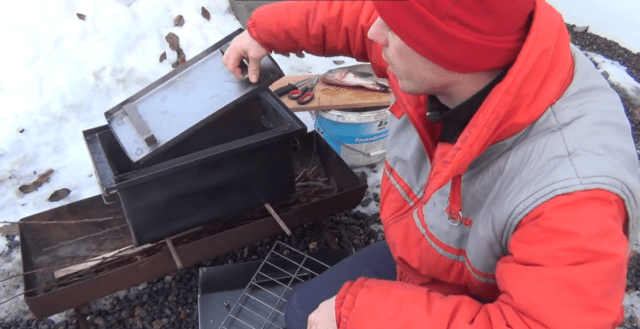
x=581 y=142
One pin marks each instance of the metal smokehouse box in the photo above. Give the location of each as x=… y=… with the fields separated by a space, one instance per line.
x=196 y=146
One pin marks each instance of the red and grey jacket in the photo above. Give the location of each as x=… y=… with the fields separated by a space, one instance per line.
x=519 y=224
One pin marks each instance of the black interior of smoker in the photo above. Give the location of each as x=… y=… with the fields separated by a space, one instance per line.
x=240 y=121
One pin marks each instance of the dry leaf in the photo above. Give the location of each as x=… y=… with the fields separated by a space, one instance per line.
x=205 y=14
x=182 y=58
x=163 y=56
x=59 y=194
x=178 y=21
x=82 y=17
x=42 y=178
x=173 y=40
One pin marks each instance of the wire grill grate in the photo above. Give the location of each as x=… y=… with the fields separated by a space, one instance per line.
x=261 y=304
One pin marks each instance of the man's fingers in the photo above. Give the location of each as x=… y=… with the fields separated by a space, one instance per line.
x=254 y=68
x=233 y=62
x=244 y=47
x=311 y=320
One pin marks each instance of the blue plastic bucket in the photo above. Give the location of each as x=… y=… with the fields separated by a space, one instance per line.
x=359 y=136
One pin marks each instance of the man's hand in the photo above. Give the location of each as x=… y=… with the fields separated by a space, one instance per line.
x=324 y=317
x=244 y=46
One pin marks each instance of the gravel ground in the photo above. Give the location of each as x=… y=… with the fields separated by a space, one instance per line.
x=171 y=302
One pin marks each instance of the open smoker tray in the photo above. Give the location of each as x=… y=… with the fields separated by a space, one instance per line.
x=232 y=164
x=183 y=101
x=254 y=294
x=46 y=248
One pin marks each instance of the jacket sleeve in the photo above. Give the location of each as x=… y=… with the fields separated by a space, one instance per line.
x=323 y=28
x=566 y=269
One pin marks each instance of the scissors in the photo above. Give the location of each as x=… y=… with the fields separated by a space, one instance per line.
x=290 y=86
x=305 y=95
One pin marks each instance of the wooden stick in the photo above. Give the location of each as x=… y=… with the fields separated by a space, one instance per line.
x=301 y=173
x=84 y=237
x=65 y=222
x=278 y=219
x=174 y=254
x=72 y=269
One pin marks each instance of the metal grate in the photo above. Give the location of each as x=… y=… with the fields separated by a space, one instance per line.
x=261 y=304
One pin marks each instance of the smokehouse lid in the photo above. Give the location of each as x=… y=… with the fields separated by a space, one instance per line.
x=184 y=100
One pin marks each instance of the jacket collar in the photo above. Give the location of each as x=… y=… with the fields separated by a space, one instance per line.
x=454 y=120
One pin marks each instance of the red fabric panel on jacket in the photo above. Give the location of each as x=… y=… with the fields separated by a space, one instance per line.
x=324 y=28
x=568 y=259
x=566 y=269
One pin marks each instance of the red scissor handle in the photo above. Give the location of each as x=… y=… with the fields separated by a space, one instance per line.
x=306 y=98
x=296 y=94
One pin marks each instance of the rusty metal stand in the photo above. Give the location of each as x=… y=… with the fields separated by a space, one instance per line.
x=81 y=317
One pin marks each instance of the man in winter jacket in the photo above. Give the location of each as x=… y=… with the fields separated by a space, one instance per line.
x=510 y=190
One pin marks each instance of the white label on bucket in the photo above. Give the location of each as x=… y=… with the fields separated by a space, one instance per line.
x=359 y=142
x=360 y=154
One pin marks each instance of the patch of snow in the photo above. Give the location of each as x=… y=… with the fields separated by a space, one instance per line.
x=11 y=265
x=64 y=73
x=374 y=177
x=631 y=304
x=377 y=227
x=4 y=243
x=617 y=74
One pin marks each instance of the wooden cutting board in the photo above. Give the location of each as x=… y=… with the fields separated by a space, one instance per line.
x=330 y=97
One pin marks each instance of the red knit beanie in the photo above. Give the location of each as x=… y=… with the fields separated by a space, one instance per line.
x=461 y=35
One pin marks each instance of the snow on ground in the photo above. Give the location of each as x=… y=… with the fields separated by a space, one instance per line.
x=616 y=73
x=632 y=304
x=3 y=243
x=60 y=74
x=65 y=73
x=10 y=266
x=616 y=20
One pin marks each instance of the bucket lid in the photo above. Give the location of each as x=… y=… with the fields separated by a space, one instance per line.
x=182 y=101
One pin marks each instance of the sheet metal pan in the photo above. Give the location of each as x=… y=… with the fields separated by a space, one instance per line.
x=182 y=101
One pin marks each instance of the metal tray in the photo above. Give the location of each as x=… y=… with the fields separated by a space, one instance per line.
x=181 y=102
x=46 y=248
x=254 y=294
